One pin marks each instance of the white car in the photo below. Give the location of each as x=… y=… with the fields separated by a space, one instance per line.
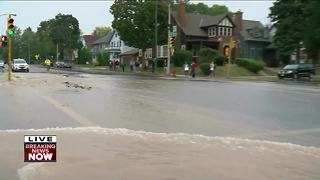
x=1 y=64
x=20 y=65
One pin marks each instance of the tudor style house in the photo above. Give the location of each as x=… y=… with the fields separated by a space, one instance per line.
x=195 y=31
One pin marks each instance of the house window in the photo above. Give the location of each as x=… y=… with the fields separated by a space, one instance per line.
x=229 y=31
x=252 y=52
x=150 y=53
x=212 y=32
x=158 y=51
x=164 y=51
x=140 y=52
x=225 y=31
x=220 y=31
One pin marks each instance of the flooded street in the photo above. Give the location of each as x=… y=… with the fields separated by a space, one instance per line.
x=141 y=128
x=97 y=153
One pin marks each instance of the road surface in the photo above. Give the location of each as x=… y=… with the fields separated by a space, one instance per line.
x=171 y=122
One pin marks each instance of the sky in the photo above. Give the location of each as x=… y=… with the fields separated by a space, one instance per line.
x=91 y=14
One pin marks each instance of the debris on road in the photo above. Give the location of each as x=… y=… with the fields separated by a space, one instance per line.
x=76 y=85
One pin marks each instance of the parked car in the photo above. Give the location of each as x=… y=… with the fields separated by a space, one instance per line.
x=19 y=65
x=63 y=64
x=296 y=71
x=1 y=64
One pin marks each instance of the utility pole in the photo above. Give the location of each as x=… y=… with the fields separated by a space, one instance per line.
x=9 y=59
x=29 y=52
x=156 y=37
x=169 y=35
x=57 y=56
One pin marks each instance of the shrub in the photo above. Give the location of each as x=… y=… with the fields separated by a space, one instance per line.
x=205 y=68
x=103 y=59
x=180 y=57
x=250 y=64
x=219 y=60
x=84 y=56
x=207 y=55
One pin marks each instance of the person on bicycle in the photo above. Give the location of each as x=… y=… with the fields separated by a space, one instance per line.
x=47 y=62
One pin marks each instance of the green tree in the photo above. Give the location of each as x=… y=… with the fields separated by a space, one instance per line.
x=290 y=20
x=205 y=9
x=312 y=26
x=28 y=42
x=135 y=22
x=101 y=31
x=84 y=56
x=47 y=47
x=65 y=32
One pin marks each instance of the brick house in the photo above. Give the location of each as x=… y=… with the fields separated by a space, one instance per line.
x=195 y=31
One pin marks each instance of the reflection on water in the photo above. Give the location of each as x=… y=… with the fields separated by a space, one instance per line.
x=101 y=153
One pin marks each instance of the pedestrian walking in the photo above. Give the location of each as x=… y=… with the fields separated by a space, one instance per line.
x=212 y=69
x=110 y=65
x=193 y=69
x=117 y=64
x=186 y=69
x=131 y=65
x=123 y=66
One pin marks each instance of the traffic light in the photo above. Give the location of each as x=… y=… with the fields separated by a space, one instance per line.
x=3 y=41
x=171 y=42
x=10 y=29
x=226 y=51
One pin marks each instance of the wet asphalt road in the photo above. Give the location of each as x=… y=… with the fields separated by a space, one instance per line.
x=284 y=111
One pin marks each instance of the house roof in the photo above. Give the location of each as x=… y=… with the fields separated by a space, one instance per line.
x=104 y=39
x=130 y=52
x=249 y=27
x=196 y=22
x=88 y=39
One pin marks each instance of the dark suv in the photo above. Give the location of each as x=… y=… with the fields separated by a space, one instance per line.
x=296 y=71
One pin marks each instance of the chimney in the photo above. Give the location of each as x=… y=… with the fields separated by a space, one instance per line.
x=181 y=13
x=238 y=22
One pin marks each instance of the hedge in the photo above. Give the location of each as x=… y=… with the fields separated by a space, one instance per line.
x=250 y=64
x=207 y=55
x=219 y=60
x=180 y=57
x=205 y=68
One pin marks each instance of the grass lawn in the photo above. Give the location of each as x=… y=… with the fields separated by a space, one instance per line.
x=235 y=71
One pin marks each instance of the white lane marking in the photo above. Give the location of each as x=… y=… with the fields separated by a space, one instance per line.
x=68 y=111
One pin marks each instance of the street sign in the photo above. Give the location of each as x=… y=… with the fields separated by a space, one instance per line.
x=174 y=31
